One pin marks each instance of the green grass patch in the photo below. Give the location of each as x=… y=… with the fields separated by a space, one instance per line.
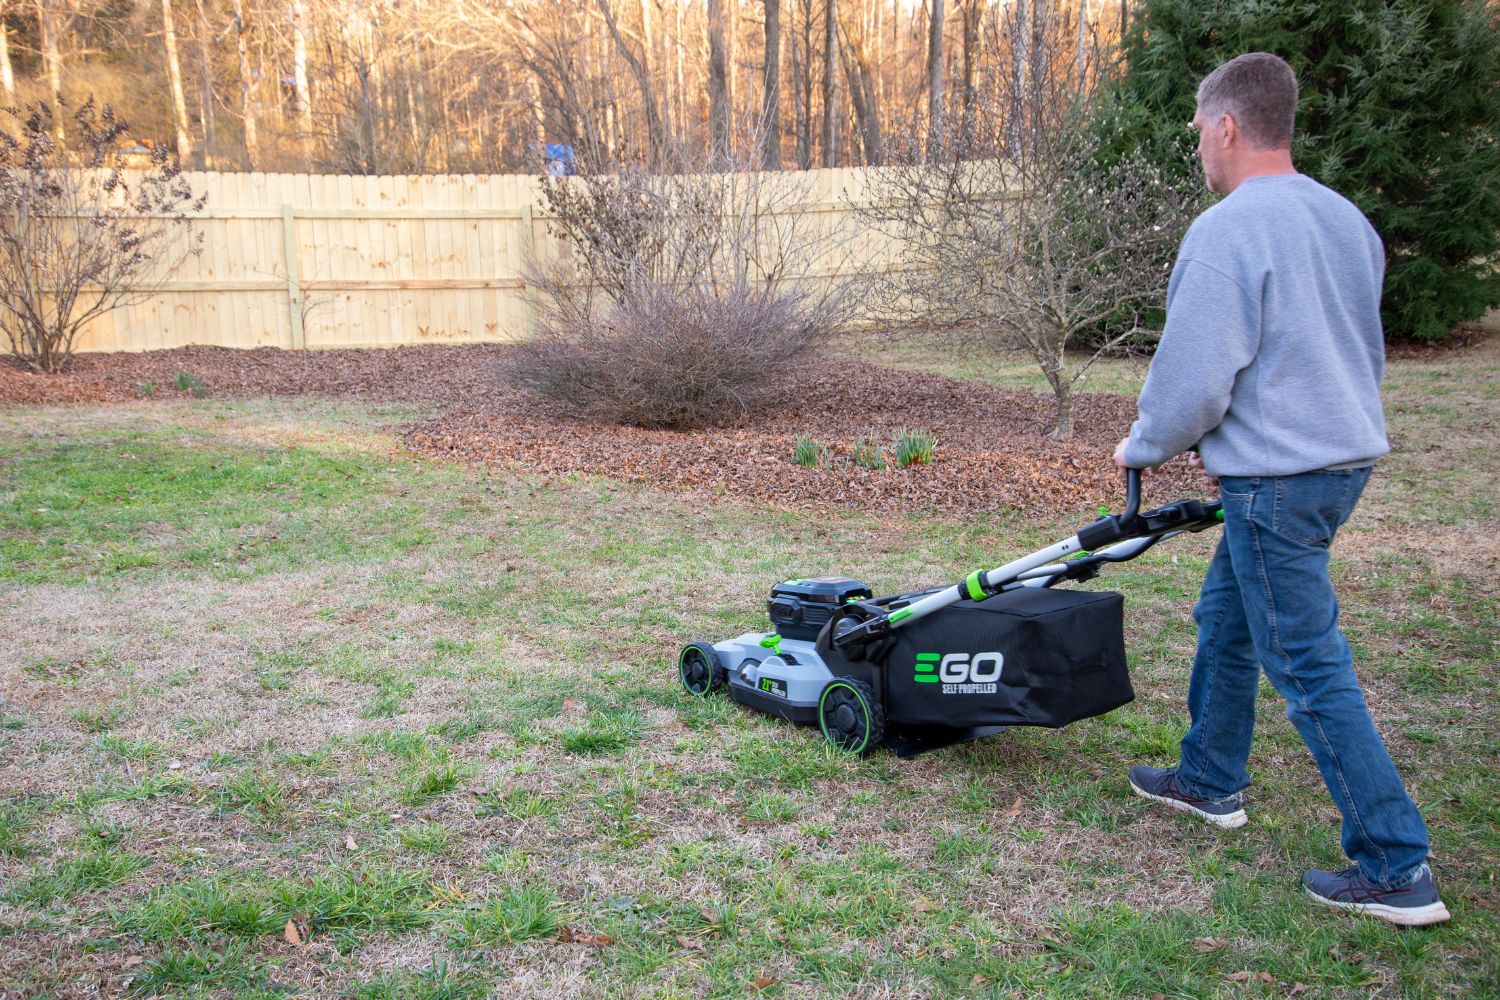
x=109 y=503
x=523 y=913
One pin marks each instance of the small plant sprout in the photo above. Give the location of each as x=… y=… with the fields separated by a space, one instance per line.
x=808 y=452
x=188 y=382
x=148 y=387
x=914 y=447
x=868 y=454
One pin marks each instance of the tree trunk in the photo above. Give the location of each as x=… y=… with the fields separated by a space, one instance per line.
x=1062 y=427
x=935 y=73
x=655 y=140
x=1021 y=50
x=205 y=69
x=52 y=56
x=538 y=119
x=862 y=96
x=174 y=76
x=247 y=87
x=1083 y=20
x=299 y=74
x=973 y=14
x=7 y=75
x=732 y=23
x=718 y=88
x=830 y=69
x=771 y=106
x=682 y=129
x=802 y=87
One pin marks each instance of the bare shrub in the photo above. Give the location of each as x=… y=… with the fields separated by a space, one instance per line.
x=1017 y=228
x=680 y=291
x=78 y=235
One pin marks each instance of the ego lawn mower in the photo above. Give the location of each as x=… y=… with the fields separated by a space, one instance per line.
x=931 y=668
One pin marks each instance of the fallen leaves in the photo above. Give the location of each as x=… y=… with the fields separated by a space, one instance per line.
x=1004 y=460
x=293 y=933
x=691 y=944
x=572 y=935
x=1208 y=944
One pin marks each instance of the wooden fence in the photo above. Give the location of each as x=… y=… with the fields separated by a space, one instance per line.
x=298 y=261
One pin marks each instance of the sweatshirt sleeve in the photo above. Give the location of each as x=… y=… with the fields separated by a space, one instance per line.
x=1212 y=333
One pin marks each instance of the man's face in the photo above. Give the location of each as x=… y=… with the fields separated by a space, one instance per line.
x=1210 y=149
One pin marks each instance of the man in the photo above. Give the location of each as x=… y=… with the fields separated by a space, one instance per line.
x=1269 y=369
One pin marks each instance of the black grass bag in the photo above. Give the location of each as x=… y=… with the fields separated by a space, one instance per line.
x=1027 y=657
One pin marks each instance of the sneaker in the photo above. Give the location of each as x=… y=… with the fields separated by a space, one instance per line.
x=1159 y=784
x=1412 y=905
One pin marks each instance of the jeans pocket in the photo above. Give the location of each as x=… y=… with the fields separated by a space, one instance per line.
x=1309 y=508
x=1238 y=489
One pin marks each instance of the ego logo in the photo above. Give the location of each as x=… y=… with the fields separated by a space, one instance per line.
x=960 y=673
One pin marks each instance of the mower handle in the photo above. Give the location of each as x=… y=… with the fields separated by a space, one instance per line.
x=1132 y=495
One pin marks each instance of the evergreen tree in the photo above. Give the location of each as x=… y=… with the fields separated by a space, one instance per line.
x=1398 y=112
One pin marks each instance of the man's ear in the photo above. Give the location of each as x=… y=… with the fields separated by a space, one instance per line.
x=1228 y=130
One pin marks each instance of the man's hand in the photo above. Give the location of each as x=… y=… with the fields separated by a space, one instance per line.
x=1120 y=453
x=1195 y=460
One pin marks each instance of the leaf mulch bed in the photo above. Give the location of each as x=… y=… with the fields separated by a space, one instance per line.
x=992 y=451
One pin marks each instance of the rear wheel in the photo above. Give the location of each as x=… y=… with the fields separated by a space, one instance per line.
x=699 y=669
x=850 y=716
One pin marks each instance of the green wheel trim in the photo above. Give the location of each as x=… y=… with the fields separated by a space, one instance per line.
x=864 y=708
x=681 y=674
x=975 y=584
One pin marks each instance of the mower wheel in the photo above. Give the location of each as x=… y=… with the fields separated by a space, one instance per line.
x=850 y=716
x=699 y=668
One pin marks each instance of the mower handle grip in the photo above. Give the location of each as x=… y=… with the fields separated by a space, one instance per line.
x=1132 y=495
x=1113 y=527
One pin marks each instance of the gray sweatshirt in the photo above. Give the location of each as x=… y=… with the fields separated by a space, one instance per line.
x=1271 y=360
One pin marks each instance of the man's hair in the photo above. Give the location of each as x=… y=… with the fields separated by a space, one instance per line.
x=1259 y=90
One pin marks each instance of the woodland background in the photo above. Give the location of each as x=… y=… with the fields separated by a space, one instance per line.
x=479 y=86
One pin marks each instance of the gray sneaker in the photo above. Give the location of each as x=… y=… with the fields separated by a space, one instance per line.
x=1159 y=784
x=1415 y=904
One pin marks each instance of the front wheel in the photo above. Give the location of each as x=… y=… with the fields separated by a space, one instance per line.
x=850 y=716
x=699 y=668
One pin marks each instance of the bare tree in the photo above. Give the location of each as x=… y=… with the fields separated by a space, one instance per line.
x=7 y=75
x=935 y=70
x=1020 y=233
x=174 y=76
x=862 y=95
x=718 y=87
x=78 y=237
x=656 y=136
x=247 y=87
x=973 y=15
x=771 y=90
x=830 y=75
x=206 y=82
x=53 y=18
x=299 y=72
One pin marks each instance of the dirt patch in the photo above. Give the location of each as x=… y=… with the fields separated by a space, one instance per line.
x=992 y=452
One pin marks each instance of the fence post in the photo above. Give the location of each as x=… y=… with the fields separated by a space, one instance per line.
x=528 y=253
x=293 y=280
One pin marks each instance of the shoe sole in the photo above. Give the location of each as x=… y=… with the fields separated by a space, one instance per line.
x=1228 y=821
x=1406 y=916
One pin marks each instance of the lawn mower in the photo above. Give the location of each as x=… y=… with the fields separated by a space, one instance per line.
x=932 y=668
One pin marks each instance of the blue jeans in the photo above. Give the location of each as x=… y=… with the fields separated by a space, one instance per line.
x=1268 y=604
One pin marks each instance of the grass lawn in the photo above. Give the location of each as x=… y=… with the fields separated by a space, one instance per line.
x=290 y=712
